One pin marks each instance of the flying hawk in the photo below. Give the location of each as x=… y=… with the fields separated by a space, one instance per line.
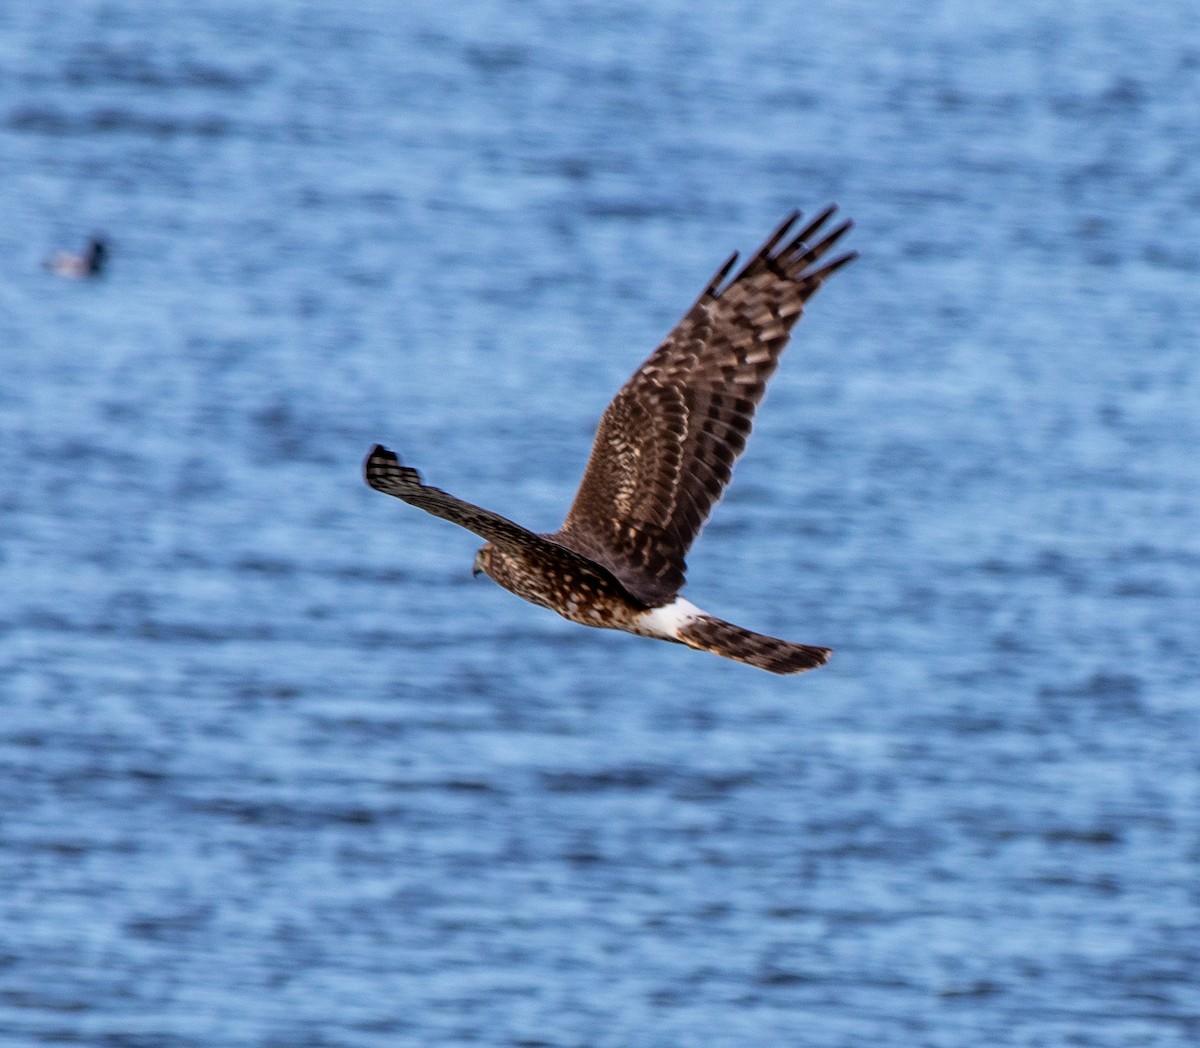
x=663 y=453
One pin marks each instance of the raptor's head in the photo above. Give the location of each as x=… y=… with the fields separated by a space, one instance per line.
x=483 y=560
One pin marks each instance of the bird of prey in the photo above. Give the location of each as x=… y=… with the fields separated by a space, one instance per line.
x=89 y=263
x=662 y=456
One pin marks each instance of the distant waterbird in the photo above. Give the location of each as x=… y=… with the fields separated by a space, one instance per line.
x=88 y=263
x=662 y=457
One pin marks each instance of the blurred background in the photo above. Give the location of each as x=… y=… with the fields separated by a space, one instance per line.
x=276 y=771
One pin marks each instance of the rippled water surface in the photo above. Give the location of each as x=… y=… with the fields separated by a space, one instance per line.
x=278 y=772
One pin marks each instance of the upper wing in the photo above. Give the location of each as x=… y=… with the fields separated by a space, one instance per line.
x=385 y=472
x=666 y=445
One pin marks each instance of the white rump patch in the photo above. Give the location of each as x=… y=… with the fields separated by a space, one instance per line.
x=666 y=621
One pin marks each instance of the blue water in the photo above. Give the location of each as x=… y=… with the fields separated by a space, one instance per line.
x=276 y=771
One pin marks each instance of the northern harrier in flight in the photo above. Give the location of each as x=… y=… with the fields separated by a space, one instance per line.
x=663 y=453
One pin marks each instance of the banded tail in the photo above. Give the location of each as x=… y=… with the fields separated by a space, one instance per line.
x=683 y=622
x=756 y=649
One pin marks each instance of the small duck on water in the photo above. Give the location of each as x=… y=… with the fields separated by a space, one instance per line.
x=90 y=263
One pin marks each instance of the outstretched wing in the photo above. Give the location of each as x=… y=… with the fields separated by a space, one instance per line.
x=665 y=447
x=385 y=472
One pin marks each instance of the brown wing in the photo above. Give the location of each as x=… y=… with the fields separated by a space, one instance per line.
x=666 y=445
x=385 y=472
